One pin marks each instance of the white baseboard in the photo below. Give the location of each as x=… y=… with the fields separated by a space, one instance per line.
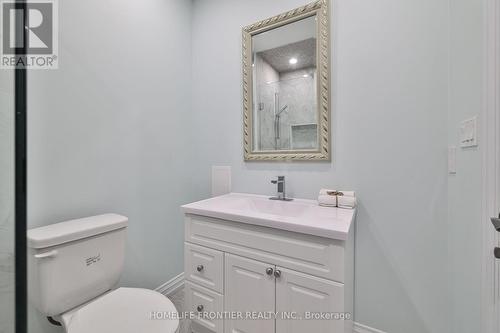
x=172 y=285
x=360 y=328
x=177 y=282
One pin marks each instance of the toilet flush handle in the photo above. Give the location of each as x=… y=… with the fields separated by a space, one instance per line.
x=49 y=254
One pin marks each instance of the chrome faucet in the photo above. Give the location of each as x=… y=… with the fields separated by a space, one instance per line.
x=281 y=189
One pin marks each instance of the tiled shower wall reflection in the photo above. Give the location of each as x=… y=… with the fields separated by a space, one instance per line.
x=297 y=90
x=7 y=202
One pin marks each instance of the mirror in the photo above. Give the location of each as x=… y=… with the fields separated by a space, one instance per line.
x=286 y=86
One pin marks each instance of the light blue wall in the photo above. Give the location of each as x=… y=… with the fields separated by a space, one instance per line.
x=389 y=131
x=130 y=123
x=466 y=97
x=109 y=131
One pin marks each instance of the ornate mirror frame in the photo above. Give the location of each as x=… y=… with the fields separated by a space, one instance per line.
x=321 y=9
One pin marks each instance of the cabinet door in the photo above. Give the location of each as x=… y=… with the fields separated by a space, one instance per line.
x=248 y=289
x=301 y=294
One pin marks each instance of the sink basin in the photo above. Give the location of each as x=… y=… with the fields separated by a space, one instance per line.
x=264 y=205
x=299 y=215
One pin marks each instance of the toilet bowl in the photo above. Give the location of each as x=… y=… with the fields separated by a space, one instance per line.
x=74 y=268
x=124 y=310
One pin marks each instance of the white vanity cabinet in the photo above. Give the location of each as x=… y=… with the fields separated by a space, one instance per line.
x=266 y=279
x=248 y=288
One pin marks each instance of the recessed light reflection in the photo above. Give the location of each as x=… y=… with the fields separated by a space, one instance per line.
x=293 y=61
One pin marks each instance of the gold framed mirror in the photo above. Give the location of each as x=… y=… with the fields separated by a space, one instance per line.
x=286 y=86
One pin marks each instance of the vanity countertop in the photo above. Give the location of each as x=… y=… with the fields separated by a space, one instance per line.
x=300 y=215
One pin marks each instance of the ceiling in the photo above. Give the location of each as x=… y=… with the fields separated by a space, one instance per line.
x=279 y=57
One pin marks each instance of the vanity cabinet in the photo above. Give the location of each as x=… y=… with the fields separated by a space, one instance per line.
x=248 y=288
x=299 y=282
x=305 y=294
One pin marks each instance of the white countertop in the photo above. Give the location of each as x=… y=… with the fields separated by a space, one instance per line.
x=300 y=215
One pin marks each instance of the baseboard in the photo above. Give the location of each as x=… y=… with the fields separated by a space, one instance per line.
x=177 y=282
x=172 y=285
x=360 y=328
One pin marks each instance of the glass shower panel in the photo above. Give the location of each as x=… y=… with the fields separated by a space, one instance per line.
x=286 y=113
x=7 y=302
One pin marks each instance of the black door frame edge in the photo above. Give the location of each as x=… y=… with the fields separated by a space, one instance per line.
x=20 y=167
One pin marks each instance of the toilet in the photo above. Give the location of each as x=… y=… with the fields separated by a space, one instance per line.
x=74 y=267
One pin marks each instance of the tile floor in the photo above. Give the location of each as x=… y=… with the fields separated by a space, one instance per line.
x=178 y=299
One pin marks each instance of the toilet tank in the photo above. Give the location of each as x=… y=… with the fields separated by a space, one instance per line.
x=69 y=263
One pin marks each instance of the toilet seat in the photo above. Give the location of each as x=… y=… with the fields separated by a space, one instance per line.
x=124 y=310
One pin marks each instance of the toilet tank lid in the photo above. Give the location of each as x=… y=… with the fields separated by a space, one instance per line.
x=63 y=232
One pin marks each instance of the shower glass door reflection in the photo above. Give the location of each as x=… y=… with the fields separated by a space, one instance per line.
x=287 y=114
x=7 y=302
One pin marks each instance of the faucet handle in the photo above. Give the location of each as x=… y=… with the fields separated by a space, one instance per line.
x=280 y=179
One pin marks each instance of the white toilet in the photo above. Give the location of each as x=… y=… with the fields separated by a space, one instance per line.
x=73 y=267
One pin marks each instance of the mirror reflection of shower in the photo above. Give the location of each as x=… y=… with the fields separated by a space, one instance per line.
x=285 y=111
x=277 y=118
x=284 y=85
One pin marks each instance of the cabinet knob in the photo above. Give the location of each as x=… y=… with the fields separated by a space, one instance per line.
x=277 y=274
x=199 y=268
x=199 y=308
x=269 y=271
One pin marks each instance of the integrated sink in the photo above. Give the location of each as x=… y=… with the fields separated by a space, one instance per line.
x=261 y=205
x=299 y=215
